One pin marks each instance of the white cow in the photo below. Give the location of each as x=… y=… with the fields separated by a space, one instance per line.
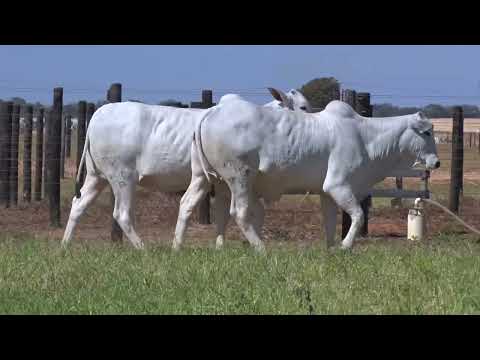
x=262 y=153
x=132 y=143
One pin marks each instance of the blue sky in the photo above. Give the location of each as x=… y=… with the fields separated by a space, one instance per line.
x=402 y=75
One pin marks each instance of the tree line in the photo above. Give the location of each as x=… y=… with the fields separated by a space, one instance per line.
x=431 y=111
x=72 y=108
x=319 y=91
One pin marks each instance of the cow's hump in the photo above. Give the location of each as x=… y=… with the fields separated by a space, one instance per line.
x=230 y=97
x=340 y=108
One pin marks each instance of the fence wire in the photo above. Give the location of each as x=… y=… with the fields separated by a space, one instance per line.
x=160 y=207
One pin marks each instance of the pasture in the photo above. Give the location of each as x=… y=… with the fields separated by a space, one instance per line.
x=385 y=274
x=436 y=277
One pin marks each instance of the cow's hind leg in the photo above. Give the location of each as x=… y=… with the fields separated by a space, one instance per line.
x=247 y=206
x=92 y=187
x=345 y=198
x=123 y=212
x=196 y=191
x=222 y=213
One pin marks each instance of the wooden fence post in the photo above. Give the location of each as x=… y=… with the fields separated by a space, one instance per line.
x=5 y=149
x=115 y=95
x=14 y=155
x=47 y=114
x=62 y=148
x=39 y=157
x=424 y=184
x=81 y=132
x=478 y=143
x=27 y=153
x=68 y=136
x=399 y=186
x=90 y=111
x=350 y=97
x=364 y=108
x=456 y=170
x=204 y=207
x=53 y=157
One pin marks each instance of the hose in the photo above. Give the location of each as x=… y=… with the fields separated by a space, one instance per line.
x=471 y=228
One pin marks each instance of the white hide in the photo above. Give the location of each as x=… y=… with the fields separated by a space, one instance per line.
x=131 y=143
x=263 y=153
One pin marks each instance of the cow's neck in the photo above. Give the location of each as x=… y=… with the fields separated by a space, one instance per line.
x=382 y=140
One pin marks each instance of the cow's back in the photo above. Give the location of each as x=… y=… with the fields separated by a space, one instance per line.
x=152 y=140
x=286 y=147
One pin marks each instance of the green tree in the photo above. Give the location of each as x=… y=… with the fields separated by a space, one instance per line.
x=436 y=111
x=173 y=103
x=18 y=100
x=321 y=91
x=470 y=111
x=384 y=110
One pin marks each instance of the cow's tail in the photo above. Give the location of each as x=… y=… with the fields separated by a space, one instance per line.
x=197 y=139
x=86 y=148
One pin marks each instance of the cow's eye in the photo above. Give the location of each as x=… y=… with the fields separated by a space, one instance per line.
x=304 y=108
x=427 y=133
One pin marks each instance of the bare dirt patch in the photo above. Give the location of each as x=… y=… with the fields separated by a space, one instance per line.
x=286 y=221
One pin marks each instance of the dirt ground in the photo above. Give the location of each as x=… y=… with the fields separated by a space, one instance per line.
x=290 y=220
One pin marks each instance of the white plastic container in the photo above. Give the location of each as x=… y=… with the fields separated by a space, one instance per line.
x=416 y=222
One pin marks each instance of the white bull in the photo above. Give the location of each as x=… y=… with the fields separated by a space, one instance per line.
x=132 y=143
x=261 y=153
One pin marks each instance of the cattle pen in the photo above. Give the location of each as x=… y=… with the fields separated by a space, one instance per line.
x=40 y=152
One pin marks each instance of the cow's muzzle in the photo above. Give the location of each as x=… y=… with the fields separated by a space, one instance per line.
x=432 y=163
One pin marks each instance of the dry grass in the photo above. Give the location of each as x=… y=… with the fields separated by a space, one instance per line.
x=445 y=124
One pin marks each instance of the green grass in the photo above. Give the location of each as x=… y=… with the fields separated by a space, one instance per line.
x=439 y=277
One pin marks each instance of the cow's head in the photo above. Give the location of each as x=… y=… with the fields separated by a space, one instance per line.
x=293 y=100
x=300 y=102
x=419 y=141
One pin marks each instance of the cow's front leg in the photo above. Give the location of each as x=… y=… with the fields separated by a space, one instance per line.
x=123 y=211
x=345 y=198
x=247 y=206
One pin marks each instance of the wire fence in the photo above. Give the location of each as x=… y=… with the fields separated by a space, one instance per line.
x=254 y=92
x=14 y=161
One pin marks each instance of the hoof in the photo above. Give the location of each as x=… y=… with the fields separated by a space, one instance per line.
x=260 y=249
x=346 y=247
x=140 y=246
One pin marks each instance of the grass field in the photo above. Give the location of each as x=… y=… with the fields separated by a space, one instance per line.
x=440 y=277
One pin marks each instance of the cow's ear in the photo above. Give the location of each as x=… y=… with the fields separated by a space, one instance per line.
x=279 y=95
x=421 y=115
x=421 y=123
